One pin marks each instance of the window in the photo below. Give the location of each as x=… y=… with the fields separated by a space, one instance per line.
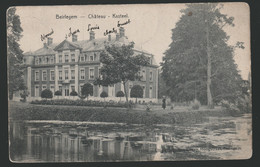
x=82 y=58
x=52 y=76
x=36 y=61
x=95 y=56
x=36 y=91
x=40 y=60
x=72 y=57
x=43 y=60
x=91 y=73
x=81 y=86
x=44 y=87
x=73 y=74
x=151 y=76
x=60 y=88
x=66 y=74
x=52 y=89
x=99 y=73
x=66 y=58
x=37 y=76
x=44 y=75
x=72 y=88
x=47 y=60
x=82 y=73
x=151 y=92
x=91 y=58
x=24 y=60
x=60 y=75
x=143 y=91
x=60 y=58
x=52 y=60
x=151 y=60
x=144 y=75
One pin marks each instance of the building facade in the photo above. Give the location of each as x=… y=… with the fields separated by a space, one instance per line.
x=69 y=65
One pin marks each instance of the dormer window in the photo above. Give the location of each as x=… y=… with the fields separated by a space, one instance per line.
x=95 y=56
x=72 y=57
x=66 y=58
x=60 y=58
x=36 y=61
x=91 y=58
x=52 y=60
x=82 y=58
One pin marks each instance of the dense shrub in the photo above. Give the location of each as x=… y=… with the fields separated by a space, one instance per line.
x=73 y=93
x=57 y=93
x=47 y=94
x=80 y=103
x=120 y=94
x=103 y=94
x=242 y=105
x=195 y=105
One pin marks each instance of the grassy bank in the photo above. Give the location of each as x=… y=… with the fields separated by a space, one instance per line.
x=26 y=111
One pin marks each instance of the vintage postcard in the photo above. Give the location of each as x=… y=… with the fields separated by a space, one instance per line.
x=139 y=82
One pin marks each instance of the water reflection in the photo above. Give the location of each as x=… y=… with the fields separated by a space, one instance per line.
x=214 y=139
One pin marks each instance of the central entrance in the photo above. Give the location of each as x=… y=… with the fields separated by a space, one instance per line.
x=66 y=90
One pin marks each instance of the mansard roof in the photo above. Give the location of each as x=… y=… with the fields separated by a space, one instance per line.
x=46 y=50
x=86 y=46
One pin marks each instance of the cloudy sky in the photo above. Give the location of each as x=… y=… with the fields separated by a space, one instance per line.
x=150 y=26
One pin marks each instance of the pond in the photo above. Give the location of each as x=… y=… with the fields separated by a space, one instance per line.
x=60 y=141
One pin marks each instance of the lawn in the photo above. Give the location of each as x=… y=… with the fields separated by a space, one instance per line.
x=179 y=115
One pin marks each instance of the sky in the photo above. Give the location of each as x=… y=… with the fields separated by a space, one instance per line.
x=150 y=26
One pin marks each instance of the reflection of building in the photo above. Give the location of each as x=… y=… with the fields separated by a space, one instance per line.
x=69 y=65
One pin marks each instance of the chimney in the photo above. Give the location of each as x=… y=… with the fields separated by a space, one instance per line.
x=109 y=37
x=45 y=45
x=117 y=36
x=74 y=38
x=121 y=31
x=91 y=35
x=49 y=41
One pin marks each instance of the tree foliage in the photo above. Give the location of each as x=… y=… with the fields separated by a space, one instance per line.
x=46 y=93
x=14 y=53
x=120 y=65
x=87 y=90
x=199 y=57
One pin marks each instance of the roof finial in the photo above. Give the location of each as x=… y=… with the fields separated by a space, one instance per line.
x=66 y=36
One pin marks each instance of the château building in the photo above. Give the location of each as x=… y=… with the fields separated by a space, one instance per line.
x=68 y=65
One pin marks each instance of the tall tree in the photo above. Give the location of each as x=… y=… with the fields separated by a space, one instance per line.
x=14 y=53
x=199 y=63
x=119 y=64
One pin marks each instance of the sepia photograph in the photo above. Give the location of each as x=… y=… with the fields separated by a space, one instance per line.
x=132 y=82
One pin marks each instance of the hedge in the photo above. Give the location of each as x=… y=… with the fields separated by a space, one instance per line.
x=80 y=103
